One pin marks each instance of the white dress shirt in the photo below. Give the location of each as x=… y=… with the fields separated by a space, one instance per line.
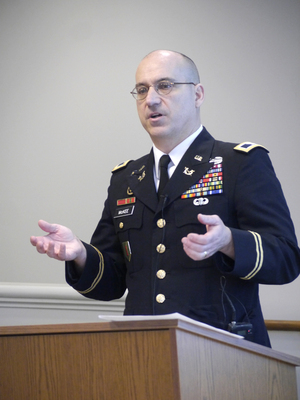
x=175 y=155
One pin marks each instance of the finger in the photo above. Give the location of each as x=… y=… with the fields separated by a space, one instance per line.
x=51 y=251
x=57 y=251
x=191 y=245
x=196 y=239
x=41 y=246
x=61 y=254
x=33 y=240
x=195 y=255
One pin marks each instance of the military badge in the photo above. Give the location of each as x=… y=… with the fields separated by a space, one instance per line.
x=120 y=166
x=216 y=160
x=198 y=158
x=248 y=146
x=123 y=202
x=202 y=201
x=210 y=183
x=188 y=172
x=126 y=250
x=141 y=177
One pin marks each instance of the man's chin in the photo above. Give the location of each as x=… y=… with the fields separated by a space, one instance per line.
x=158 y=133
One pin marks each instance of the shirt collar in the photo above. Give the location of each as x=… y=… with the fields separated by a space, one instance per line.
x=176 y=154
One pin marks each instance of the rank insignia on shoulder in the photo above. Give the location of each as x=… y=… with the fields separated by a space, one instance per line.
x=248 y=146
x=120 y=166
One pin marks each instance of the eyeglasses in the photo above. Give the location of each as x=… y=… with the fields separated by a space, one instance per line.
x=163 y=87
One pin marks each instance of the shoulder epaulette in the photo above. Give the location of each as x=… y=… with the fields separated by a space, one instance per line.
x=248 y=146
x=120 y=166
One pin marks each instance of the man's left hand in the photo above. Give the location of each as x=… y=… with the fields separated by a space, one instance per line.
x=218 y=237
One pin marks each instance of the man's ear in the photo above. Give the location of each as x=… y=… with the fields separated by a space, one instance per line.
x=199 y=92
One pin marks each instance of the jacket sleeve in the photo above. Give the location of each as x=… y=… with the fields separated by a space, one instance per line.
x=104 y=274
x=266 y=249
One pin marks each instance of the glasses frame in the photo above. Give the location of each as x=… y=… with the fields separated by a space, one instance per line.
x=135 y=94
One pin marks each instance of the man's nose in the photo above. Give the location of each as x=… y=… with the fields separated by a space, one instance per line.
x=152 y=97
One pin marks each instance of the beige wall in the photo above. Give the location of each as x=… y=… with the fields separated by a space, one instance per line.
x=66 y=115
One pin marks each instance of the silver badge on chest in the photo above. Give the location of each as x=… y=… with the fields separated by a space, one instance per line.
x=201 y=201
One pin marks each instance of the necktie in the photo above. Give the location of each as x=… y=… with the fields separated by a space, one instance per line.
x=164 y=177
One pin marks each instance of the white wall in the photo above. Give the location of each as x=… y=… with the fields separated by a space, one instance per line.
x=67 y=118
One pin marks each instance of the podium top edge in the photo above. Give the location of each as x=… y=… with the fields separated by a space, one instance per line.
x=150 y=325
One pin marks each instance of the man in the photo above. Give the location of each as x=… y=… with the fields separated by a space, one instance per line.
x=203 y=243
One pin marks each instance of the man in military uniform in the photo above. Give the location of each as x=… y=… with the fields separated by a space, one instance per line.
x=194 y=233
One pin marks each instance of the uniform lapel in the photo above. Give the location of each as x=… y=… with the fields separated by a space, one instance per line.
x=193 y=165
x=141 y=182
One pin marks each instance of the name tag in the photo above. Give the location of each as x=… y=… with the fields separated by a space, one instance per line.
x=124 y=211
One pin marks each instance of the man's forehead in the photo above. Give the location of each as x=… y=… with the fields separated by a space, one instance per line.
x=154 y=69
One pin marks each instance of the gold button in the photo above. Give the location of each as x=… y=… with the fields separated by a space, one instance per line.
x=160 y=298
x=161 y=274
x=161 y=223
x=121 y=225
x=161 y=248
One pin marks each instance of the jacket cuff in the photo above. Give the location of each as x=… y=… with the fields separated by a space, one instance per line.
x=92 y=273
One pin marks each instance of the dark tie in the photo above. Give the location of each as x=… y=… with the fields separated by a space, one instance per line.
x=164 y=177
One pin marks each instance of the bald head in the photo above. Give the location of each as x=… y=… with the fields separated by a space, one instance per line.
x=170 y=117
x=187 y=64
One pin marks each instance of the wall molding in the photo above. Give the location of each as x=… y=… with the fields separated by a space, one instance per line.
x=52 y=296
x=62 y=297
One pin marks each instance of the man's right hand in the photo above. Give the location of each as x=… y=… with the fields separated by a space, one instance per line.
x=60 y=243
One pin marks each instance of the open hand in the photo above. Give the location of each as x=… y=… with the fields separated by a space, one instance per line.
x=60 y=243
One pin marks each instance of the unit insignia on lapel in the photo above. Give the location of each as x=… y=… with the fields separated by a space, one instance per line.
x=210 y=183
x=188 y=172
x=141 y=177
x=198 y=158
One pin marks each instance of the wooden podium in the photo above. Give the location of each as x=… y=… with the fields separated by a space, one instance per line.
x=139 y=360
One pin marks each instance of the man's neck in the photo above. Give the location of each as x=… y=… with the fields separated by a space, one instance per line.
x=166 y=146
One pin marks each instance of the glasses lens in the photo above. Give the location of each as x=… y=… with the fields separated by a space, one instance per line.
x=141 y=92
x=164 y=87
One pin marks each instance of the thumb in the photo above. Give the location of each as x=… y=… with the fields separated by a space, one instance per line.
x=207 y=219
x=47 y=227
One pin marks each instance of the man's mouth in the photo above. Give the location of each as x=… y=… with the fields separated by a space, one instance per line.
x=155 y=115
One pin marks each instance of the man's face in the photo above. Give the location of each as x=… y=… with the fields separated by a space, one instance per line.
x=171 y=118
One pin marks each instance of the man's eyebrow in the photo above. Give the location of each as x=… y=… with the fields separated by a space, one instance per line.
x=166 y=79
x=159 y=80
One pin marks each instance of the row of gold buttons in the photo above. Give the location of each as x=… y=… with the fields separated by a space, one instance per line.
x=161 y=248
